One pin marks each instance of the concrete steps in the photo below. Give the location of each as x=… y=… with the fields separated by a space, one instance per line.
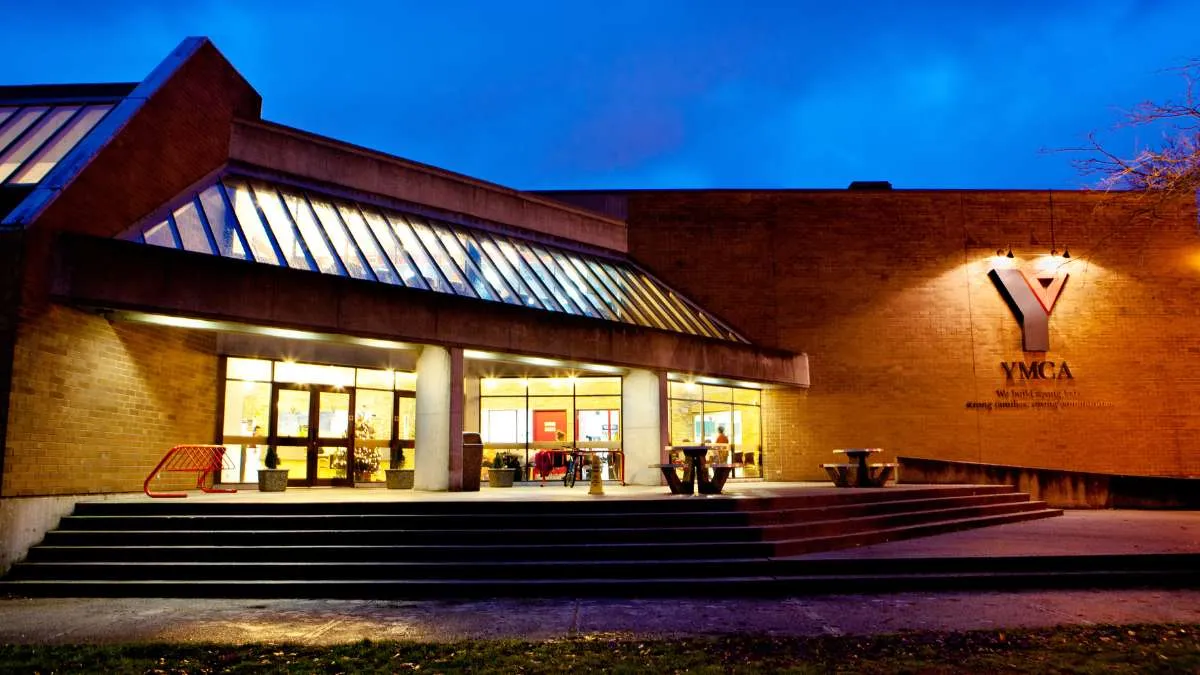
x=633 y=547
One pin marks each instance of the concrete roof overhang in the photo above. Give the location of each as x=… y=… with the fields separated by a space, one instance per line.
x=112 y=274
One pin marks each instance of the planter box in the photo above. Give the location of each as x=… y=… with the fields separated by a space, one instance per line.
x=501 y=478
x=272 y=480
x=400 y=479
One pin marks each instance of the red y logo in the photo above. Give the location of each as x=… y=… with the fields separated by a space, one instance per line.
x=1031 y=298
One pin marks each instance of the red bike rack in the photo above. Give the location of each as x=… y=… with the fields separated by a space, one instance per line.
x=204 y=460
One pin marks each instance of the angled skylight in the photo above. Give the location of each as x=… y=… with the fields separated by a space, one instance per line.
x=33 y=138
x=285 y=226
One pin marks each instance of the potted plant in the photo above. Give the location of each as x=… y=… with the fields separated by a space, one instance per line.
x=398 y=477
x=272 y=479
x=504 y=469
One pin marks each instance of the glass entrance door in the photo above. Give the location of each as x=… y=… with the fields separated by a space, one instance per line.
x=311 y=434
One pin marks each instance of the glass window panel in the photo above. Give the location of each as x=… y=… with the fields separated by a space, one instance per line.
x=503 y=419
x=746 y=441
x=589 y=386
x=160 y=234
x=629 y=295
x=664 y=300
x=291 y=413
x=655 y=300
x=221 y=223
x=333 y=409
x=651 y=302
x=294 y=458
x=337 y=241
x=375 y=256
x=685 y=416
x=626 y=310
x=48 y=156
x=714 y=392
x=444 y=262
x=252 y=225
x=5 y=113
x=528 y=275
x=503 y=386
x=624 y=292
x=682 y=311
x=684 y=390
x=551 y=386
x=467 y=263
x=310 y=373
x=246 y=409
x=375 y=379
x=18 y=124
x=31 y=141
x=620 y=311
x=570 y=282
x=191 y=231
x=406 y=423
x=313 y=234
x=516 y=280
x=548 y=279
x=290 y=244
x=706 y=326
x=747 y=396
x=373 y=427
x=258 y=370
x=469 y=256
x=406 y=253
x=406 y=381
x=583 y=286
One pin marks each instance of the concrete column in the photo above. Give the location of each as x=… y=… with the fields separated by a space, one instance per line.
x=471 y=403
x=439 y=416
x=643 y=411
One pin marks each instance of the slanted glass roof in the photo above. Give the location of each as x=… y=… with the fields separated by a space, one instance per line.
x=33 y=138
x=280 y=225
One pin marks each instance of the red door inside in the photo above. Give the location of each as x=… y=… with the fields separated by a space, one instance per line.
x=547 y=423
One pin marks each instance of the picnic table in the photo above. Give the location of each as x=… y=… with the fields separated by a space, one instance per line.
x=857 y=473
x=697 y=480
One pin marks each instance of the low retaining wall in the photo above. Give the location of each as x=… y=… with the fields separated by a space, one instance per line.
x=1061 y=488
x=24 y=521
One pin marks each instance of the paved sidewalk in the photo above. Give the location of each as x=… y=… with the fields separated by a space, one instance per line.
x=58 y=620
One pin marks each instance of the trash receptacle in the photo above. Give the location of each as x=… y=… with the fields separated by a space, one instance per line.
x=472 y=461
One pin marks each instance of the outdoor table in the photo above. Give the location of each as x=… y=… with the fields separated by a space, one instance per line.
x=860 y=455
x=700 y=482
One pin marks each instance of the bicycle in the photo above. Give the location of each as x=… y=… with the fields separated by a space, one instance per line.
x=573 y=460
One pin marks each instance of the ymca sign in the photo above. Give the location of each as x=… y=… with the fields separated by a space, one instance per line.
x=1032 y=298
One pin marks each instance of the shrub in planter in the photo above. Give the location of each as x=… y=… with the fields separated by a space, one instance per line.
x=272 y=479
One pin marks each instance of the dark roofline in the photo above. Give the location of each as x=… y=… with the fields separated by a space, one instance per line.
x=65 y=93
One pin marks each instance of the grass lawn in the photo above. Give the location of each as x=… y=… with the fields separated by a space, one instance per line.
x=1091 y=649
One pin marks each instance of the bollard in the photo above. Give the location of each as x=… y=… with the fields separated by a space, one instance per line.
x=596 y=487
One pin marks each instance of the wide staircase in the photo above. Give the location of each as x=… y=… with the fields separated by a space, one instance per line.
x=456 y=549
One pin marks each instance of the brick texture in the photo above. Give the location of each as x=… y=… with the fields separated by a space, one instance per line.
x=888 y=294
x=95 y=405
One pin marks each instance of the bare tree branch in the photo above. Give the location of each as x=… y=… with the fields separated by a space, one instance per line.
x=1172 y=166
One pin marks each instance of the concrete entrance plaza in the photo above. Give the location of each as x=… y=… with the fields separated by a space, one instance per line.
x=59 y=620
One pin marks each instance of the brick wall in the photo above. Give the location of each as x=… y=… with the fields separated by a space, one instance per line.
x=888 y=294
x=95 y=405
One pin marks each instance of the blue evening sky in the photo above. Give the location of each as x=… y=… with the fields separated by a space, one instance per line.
x=659 y=94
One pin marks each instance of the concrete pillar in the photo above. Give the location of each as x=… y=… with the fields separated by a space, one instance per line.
x=439 y=416
x=471 y=403
x=643 y=416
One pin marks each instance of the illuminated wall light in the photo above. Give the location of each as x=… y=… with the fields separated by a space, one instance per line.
x=539 y=361
x=284 y=333
x=478 y=355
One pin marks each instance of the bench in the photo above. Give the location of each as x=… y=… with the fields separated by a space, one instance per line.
x=669 y=472
x=721 y=473
x=842 y=475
